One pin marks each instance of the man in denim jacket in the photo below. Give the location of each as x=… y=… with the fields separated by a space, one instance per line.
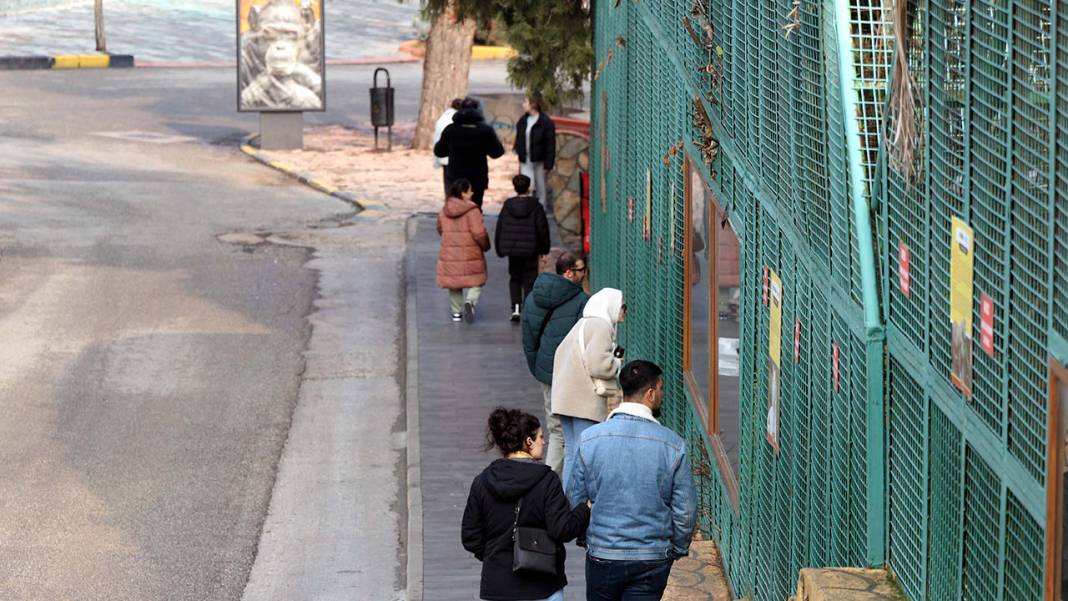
x=637 y=474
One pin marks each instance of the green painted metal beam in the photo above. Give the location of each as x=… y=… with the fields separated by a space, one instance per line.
x=876 y=336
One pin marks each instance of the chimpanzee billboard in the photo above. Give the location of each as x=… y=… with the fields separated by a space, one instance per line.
x=280 y=55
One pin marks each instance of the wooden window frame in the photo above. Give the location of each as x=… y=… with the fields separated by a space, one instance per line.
x=710 y=404
x=1058 y=375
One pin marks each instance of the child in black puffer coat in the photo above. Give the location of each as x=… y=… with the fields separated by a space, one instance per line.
x=522 y=236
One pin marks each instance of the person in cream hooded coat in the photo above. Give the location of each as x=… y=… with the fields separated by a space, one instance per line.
x=585 y=356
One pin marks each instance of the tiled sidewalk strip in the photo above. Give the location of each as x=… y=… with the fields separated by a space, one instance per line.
x=366 y=208
x=462 y=372
x=67 y=61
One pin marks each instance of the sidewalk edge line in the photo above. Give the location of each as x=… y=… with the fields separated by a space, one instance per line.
x=414 y=582
x=300 y=176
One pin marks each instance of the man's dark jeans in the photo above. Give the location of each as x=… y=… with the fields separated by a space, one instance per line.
x=614 y=580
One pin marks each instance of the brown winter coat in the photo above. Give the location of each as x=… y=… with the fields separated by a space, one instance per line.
x=461 y=262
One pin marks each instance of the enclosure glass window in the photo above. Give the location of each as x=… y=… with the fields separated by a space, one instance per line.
x=712 y=317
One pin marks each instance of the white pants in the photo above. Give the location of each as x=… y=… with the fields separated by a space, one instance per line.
x=536 y=173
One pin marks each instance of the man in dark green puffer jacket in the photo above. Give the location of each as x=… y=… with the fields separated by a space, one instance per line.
x=560 y=297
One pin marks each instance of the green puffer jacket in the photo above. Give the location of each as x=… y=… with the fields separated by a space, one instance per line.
x=566 y=300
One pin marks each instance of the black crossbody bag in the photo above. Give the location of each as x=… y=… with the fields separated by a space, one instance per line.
x=532 y=548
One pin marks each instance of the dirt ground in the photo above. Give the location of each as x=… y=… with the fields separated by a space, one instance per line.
x=404 y=180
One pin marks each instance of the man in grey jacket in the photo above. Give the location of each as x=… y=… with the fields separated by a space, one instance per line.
x=637 y=475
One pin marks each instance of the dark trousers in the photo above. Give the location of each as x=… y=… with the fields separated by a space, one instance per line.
x=477 y=198
x=522 y=271
x=612 y=580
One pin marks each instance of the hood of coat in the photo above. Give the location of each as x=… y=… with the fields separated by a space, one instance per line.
x=552 y=290
x=606 y=304
x=468 y=116
x=521 y=207
x=509 y=479
x=456 y=207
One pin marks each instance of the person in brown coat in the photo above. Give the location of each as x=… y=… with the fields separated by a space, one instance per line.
x=461 y=261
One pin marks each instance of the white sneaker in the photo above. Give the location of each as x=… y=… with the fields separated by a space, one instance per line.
x=515 y=312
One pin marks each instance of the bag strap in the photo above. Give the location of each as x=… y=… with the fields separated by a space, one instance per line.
x=541 y=330
x=515 y=524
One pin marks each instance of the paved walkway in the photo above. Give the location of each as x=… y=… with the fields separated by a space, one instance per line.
x=464 y=372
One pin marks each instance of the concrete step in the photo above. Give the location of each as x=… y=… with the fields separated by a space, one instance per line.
x=699 y=577
x=846 y=584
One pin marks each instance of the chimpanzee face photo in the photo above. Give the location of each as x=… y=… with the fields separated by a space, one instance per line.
x=281 y=58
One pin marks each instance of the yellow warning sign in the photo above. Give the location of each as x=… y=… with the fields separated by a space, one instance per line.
x=961 y=271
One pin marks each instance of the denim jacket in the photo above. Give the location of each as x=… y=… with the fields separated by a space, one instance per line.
x=637 y=474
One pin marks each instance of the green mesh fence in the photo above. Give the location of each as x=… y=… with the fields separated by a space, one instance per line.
x=964 y=476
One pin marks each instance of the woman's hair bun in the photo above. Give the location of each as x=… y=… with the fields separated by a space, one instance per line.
x=508 y=429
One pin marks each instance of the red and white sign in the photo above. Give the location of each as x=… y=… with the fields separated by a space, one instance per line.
x=797 y=342
x=765 y=284
x=903 y=278
x=986 y=324
x=834 y=356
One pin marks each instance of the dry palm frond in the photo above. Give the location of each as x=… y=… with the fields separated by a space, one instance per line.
x=793 y=18
x=904 y=140
x=709 y=31
x=692 y=32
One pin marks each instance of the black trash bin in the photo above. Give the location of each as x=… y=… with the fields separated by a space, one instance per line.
x=382 y=107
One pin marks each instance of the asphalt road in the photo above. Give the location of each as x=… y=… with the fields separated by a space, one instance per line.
x=148 y=372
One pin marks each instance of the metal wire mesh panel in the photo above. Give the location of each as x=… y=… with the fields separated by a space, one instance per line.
x=945 y=490
x=1023 y=569
x=994 y=131
x=1060 y=234
x=981 y=526
x=908 y=485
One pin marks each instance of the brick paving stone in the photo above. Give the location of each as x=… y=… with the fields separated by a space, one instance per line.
x=464 y=372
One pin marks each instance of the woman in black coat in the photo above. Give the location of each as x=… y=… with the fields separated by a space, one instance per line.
x=535 y=143
x=467 y=143
x=518 y=480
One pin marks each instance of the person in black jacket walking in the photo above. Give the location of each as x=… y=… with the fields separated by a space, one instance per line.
x=518 y=483
x=467 y=143
x=522 y=236
x=535 y=143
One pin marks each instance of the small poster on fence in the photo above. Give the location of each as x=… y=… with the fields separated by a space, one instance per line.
x=774 y=357
x=961 y=269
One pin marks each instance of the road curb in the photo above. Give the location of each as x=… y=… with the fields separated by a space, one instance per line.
x=366 y=208
x=417 y=48
x=414 y=580
x=67 y=61
x=372 y=60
